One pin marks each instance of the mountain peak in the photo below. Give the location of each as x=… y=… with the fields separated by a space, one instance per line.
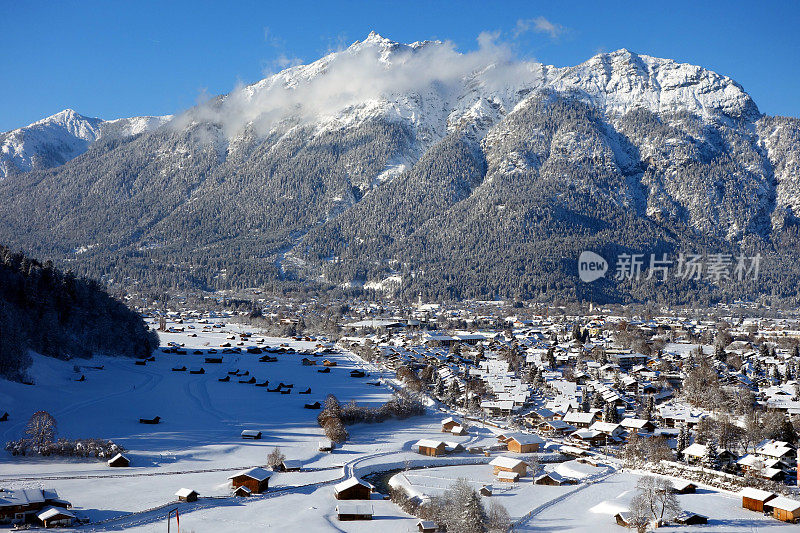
x=374 y=39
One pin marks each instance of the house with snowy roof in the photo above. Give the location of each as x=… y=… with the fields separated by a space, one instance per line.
x=255 y=479
x=352 y=489
x=504 y=463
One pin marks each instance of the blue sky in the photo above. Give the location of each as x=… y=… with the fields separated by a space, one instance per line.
x=113 y=59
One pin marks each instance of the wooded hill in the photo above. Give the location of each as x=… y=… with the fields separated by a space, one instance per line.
x=60 y=315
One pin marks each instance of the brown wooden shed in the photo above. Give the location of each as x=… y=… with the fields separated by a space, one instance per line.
x=431 y=447
x=187 y=495
x=509 y=464
x=785 y=509
x=352 y=489
x=524 y=443
x=255 y=479
x=448 y=424
x=754 y=499
x=354 y=511
x=119 y=460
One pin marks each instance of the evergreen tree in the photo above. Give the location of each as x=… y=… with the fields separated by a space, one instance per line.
x=453 y=392
x=597 y=401
x=710 y=459
x=585 y=406
x=683 y=441
x=576 y=333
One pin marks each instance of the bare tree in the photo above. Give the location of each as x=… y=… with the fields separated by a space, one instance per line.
x=655 y=498
x=41 y=428
x=497 y=517
x=275 y=457
x=639 y=513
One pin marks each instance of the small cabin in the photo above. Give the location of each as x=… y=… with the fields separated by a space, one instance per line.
x=785 y=509
x=524 y=443
x=448 y=424
x=427 y=526
x=242 y=491
x=119 y=460
x=187 y=495
x=683 y=486
x=754 y=499
x=623 y=519
x=687 y=518
x=431 y=447
x=251 y=434
x=509 y=464
x=56 y=517
x=255 y=479
x=291 y=465
x=326 y=445
x=507 y=477
x=354 y=511
x=485 y=490
x=638 y=425
x=352 y=489
x=553 y=479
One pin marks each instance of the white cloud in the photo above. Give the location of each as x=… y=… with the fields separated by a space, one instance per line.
x=363 y=72
x=539 y=25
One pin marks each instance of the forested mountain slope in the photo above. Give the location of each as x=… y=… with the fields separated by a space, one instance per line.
x=460 y=175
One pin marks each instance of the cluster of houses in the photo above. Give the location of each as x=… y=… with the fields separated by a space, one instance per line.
x=41 y=507
x=539 y=371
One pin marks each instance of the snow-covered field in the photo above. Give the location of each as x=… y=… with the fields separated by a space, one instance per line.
x=592 y=508
x=198 y=445
x=518 y=498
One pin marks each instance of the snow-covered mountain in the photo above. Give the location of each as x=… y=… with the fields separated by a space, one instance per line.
x=54 y=140
x=432 y=87
x=456 y=173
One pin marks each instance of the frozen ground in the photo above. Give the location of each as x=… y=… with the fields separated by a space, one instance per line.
x=198 y=445
x=592 y=507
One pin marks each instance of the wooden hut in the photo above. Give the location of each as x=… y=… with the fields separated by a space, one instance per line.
x=785 y=509
x=187 y=495
x=524 y=443
x=427 y=526
x=56 y=517
x=352 y=489
x=242 y=491
x=507 y=477
x=448 y=424
x=251 y=434
x=553 y=479
x=509 y=464
x=119 y=460
x=431 y=447
x=255 y=479
x=623 y=519
x=354 y=511
x=754 y=499
x=687 y=518
x=683 y=486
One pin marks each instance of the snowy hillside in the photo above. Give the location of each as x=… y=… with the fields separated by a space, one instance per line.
x=56 y=139
x=392 y=160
